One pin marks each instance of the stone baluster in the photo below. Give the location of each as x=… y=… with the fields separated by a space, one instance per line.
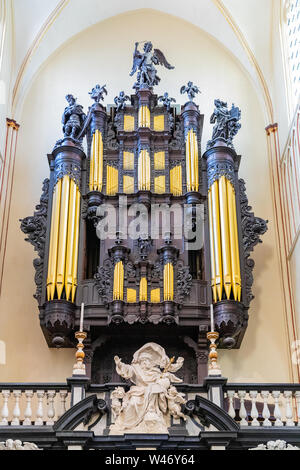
x=28 y=411
x=289 y=410
x=40 y=409
x=297 y=396
x=243 y=411
x=51 y=410
x=266 y=412
x=16 y=412
x=231 y=410
x=5 y=411
x=254 y=410
x=63 y=398
x=277 y=411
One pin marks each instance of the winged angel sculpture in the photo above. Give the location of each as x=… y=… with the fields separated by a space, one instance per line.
x=143 y=64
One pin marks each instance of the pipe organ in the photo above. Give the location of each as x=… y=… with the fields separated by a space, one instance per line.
x=157 y=284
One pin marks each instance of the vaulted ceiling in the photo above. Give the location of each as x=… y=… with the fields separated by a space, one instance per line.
x=243 y=27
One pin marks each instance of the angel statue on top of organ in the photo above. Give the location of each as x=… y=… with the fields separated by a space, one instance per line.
x=143 y=62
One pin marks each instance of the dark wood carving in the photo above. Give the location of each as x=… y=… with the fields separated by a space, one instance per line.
x=104 y=282
x=184 y=282
x=252 y=229
x=35 y=228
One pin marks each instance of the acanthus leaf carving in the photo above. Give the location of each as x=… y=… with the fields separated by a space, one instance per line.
x=252 y=229
x=104 y=281
x=184 y=282
x=35 y=227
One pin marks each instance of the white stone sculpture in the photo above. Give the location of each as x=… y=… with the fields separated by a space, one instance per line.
x=116 y=401
x=275 y=445
x=175 y=400
x=146 y=408
x=17 y=445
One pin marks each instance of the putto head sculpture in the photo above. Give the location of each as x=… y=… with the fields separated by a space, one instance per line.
x=191 y=90
x=226 y=123
x=143 y=63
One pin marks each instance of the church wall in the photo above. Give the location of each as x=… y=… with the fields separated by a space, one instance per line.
x=283 y=115
x=103 y=54
x=6 y=60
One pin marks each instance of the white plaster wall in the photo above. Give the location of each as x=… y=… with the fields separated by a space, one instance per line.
x=103 y=54
x=6 y=68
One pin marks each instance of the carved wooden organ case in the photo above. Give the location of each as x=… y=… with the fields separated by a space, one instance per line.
x=149 y=288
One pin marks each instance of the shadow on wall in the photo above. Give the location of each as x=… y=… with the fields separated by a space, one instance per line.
x=2 y=353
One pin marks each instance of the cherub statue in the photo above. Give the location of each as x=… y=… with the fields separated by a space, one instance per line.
x=175 y=400
x=166 y=100
x=145 y=406
x=116 y=401
x=73 y=118
x=121 y=100
x=190 y=89
x=17 y=445
x=226 y=123
x=143 y=62
x=98 y=92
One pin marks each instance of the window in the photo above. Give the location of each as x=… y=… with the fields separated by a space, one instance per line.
x=292 y=48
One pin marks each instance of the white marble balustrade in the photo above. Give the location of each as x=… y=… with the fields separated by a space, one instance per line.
x=264 y=408
x=22 y=406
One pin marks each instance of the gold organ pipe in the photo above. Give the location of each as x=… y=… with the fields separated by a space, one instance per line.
x=111 y=180
x=62 y=242
x=168 y=282
x=217 y=238
x=116 y=282
x=76 y=244
x=69 y=281
x=148 y=171
x=195 y=163
x=192 y=176
x=92 y=162
x=225 y=237
x=122 y=281
x=144 y=116
x=188 y=163
x=100 y=161
x=52 y=262
x=96 y=161
x=176 y=181
x=144 y=171
x=212 y=248
x=192 y=159
x=234 y=243
x=119 y=281
x=143 y=290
